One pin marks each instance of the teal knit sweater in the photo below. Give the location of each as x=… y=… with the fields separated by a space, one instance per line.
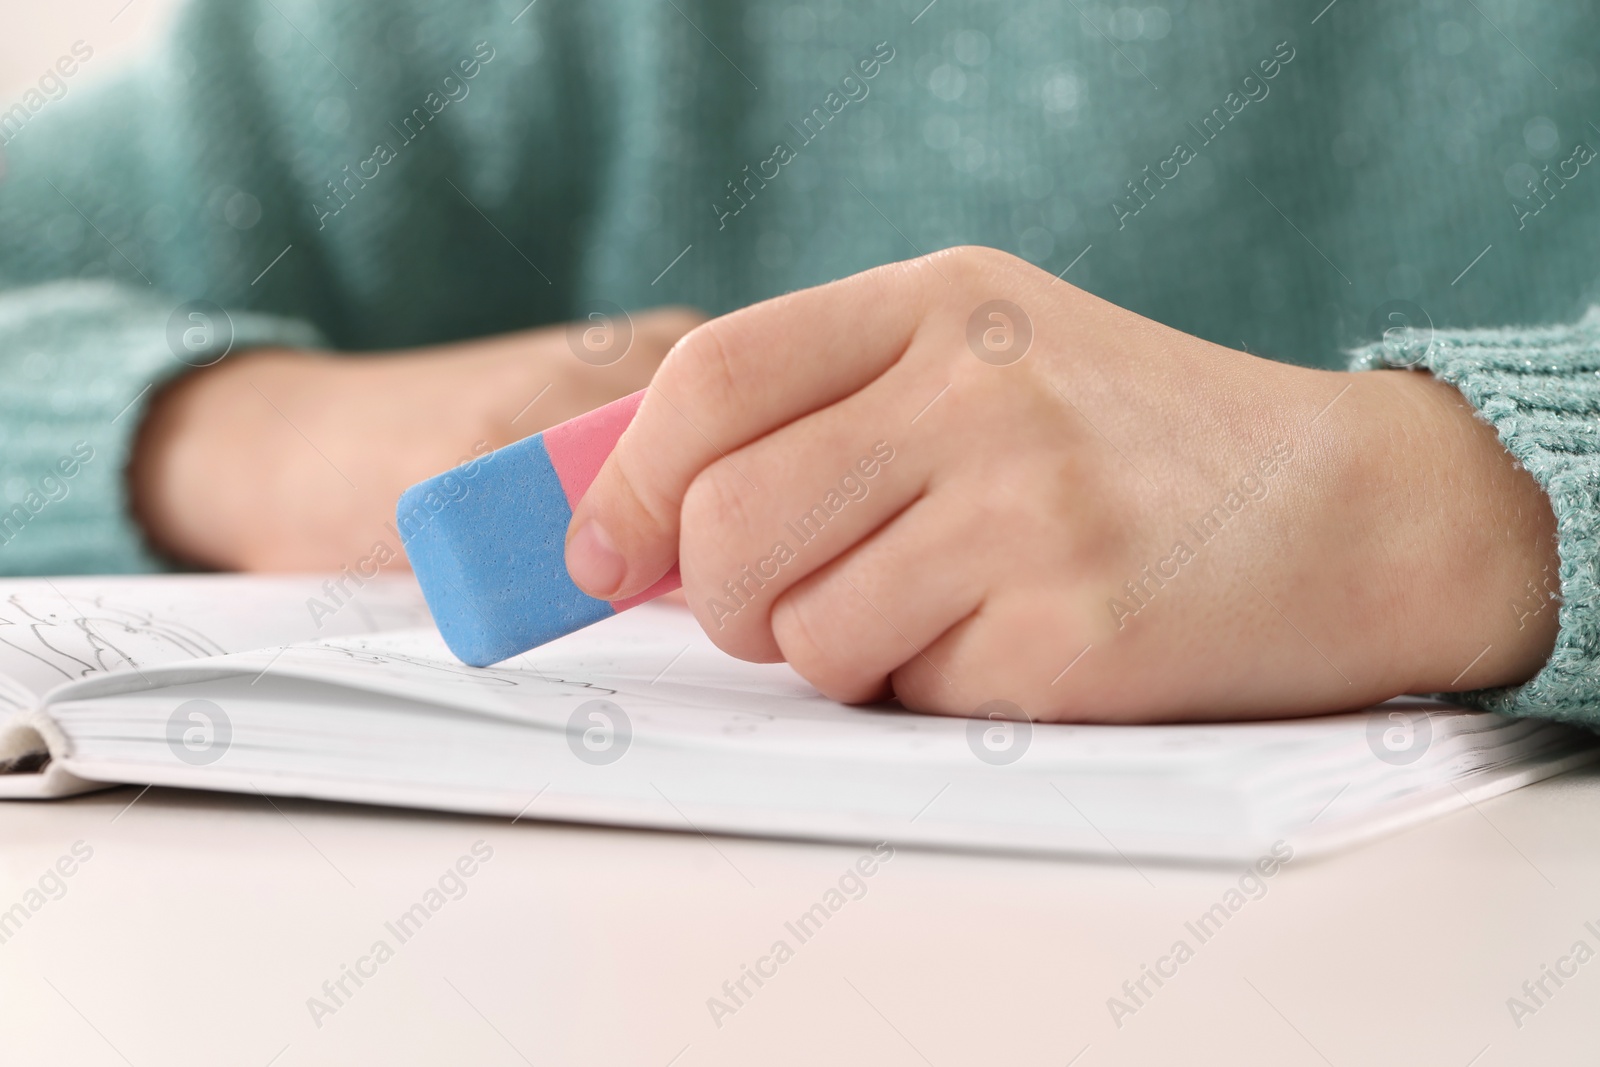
x=401 y=172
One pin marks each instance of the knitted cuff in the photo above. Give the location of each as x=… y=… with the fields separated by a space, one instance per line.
x=80 y=362
x=1540 y=389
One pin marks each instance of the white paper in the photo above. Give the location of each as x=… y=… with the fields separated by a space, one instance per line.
x=721 y=744
x=57 y=630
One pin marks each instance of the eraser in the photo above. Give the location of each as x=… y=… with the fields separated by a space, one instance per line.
x=487 y=539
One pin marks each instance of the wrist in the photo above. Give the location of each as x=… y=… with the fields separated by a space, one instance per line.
x=184 y=474
x=1469 y=535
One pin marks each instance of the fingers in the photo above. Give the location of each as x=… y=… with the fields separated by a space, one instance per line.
x=1020 y=647
x=827 y=481
x=588 y=363
x=654 y=333
x=853 y=623
x=726 y=384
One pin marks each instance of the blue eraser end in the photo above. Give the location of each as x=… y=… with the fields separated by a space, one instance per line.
x=488 y=539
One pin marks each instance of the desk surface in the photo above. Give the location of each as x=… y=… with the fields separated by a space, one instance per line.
x=201 y=926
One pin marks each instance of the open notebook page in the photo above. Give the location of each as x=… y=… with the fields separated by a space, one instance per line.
x=677 y=687
x=702 y=723
x=57 y=630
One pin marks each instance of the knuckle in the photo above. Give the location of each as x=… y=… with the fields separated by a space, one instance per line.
x=726 y=621
x=918 y=688
x=1000 y=402
x=793 y=631
x=716 y=555
x=980 y=263
x=716 y=509
x=701 y=372
x=800 y=625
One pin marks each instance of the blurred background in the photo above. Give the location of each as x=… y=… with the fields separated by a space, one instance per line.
x=38 y=32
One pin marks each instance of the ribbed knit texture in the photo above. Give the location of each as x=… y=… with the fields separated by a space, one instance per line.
x=82 y=359
x=1540 y=388
x=617 y=151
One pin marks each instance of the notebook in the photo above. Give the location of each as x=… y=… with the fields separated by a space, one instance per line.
x=341 y=689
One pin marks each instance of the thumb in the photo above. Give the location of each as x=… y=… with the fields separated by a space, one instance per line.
x=624 y=532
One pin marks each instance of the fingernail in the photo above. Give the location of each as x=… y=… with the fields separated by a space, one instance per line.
x=594 y=563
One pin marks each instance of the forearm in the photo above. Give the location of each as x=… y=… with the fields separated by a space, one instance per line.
x=223 y=449
x=282 y=459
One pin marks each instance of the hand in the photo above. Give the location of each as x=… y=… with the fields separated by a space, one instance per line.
x=901 y=487
x=281 y=460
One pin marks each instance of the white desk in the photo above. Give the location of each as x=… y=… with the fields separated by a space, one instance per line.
x=202 y=923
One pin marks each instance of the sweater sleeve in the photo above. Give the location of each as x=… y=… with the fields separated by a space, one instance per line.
x=1540 y=389
x=81 y=360
x=178 y=211
x=133 y=216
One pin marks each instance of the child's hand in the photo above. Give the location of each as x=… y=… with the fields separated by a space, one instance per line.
x=897 y=483
x=278 y=460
